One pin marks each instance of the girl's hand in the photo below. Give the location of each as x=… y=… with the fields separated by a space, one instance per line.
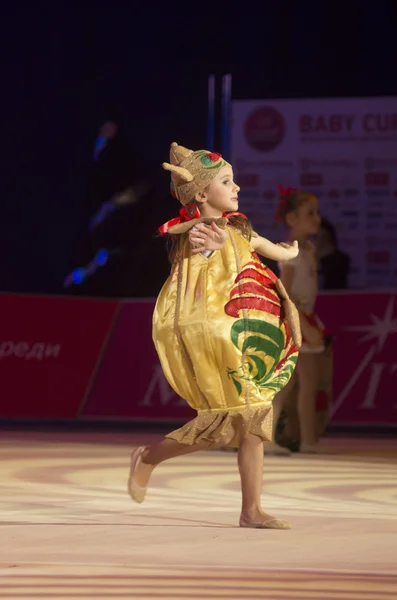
x=312 y=335
x=315 y=337
x=203 y=237
x=292 y=249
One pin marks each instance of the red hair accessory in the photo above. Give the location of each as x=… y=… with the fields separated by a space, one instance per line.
x=187 y=213
x=284 y=193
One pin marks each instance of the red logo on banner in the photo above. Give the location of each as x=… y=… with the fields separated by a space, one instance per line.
x=377 y=178
x=264 y=129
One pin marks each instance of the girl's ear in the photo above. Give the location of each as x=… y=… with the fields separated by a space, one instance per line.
x=291 y=219
x=200 y=197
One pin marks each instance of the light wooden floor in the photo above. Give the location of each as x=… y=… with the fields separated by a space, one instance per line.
x=69 y=530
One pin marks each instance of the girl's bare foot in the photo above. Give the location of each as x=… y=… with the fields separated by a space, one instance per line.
x=257 y=515
x=258 y=519
x=139 y=475
x=143 y=471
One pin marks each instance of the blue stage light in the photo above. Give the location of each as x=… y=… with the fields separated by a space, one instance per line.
x=102 y=257
x=78 y=276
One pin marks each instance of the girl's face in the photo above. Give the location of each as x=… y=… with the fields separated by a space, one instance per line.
x=305 y=220
x=220 y=196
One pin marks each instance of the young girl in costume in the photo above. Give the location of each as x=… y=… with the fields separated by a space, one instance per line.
x=226 y=333
x=300 y=212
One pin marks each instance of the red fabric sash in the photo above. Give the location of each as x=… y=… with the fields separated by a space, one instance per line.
x=189 y=212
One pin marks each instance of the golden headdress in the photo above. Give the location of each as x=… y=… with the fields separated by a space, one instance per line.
x=191 y=172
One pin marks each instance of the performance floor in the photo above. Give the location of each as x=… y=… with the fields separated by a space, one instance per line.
x=69 y=529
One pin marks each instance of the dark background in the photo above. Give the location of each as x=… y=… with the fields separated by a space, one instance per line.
x=68 y=67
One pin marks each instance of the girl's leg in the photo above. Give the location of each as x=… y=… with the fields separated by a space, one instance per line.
x=250 y=464
x=307 y=373
x=164 y=450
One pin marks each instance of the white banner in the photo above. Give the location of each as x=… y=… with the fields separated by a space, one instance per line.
x=345 y=151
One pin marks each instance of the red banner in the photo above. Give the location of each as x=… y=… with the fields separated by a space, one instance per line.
x=49 y=348
x=61 y=357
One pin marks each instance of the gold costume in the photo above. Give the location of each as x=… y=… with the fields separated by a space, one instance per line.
x=223 y=340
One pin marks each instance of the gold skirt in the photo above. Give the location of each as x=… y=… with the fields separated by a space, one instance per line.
x=226 y=428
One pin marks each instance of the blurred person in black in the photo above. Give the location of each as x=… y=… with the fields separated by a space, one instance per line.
x=334 y=265
x=123 y=206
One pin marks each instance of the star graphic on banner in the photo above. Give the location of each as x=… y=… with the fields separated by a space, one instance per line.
x=380 y=327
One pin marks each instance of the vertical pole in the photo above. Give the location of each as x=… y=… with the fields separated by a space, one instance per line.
x=211 y=113
x=226 y=114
